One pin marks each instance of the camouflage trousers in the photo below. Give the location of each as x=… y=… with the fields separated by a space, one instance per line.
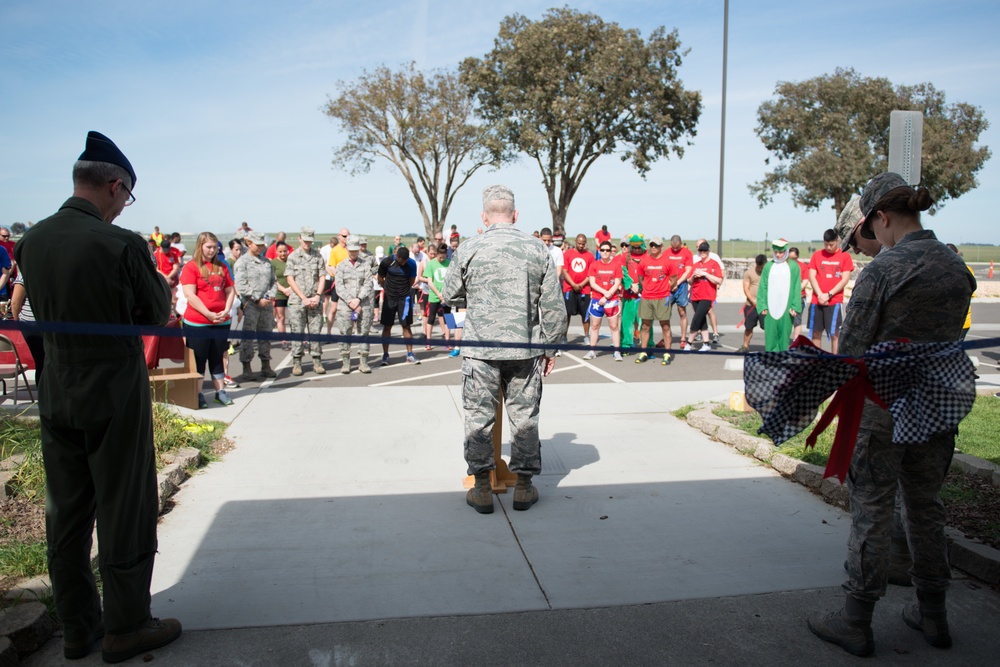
x=880 y=470
x=359 y=327
x=260 y=320
x=302 y=320
x=520 y=380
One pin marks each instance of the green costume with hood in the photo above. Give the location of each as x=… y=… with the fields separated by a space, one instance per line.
x=780 y=295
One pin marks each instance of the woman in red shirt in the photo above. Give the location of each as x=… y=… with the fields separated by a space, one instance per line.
x=209 y=291
x=705 y=281
x=605 y=278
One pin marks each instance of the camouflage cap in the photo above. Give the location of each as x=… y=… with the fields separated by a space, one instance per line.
x=257 y=238
x=307 y=234
x=363 y=240
x=877 y=188
x=497 y=192
x=353 y=242
x=848 y=222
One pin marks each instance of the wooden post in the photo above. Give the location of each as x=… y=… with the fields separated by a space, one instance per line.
x=500 y=477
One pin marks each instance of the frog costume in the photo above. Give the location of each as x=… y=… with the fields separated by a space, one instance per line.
x=779 y=297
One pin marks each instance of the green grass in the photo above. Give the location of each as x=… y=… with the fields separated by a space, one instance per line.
x=749 y=422
x=977 y=434
x=682 y=413
x=23 y=559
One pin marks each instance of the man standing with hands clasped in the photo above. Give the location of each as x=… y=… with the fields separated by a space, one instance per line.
x=511 y=286
x=95 y=409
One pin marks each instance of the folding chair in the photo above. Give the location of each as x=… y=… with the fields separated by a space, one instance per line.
x=15 y=370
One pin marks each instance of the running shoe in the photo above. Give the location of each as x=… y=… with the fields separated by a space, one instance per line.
x=642 y=358
x=428 y=348
x=385 y=359
x=202 y=402
x=706 y=347
x=455 y=352
x=222 y=398
x=231 y=383
x=715 y=340
x=410 y=359
x=558 y=353
x=667 y=359
x=618 y=356
x=684 y=343
x=232 y=350
x=590 y=355
x=743 y=348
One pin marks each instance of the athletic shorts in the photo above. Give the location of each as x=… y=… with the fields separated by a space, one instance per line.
x=824 y=318
x=680 y=296
x=435 y=307
x=281 y=303
x=655 y=309
x=751 y=318
x=331 y=292
x=797 y=320
x=609 y=309
x=577 y=304
x=393 y=309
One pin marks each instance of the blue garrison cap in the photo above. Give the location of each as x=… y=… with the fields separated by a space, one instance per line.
x=101 y=149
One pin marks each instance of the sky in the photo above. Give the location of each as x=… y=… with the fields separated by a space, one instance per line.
x=218 y=107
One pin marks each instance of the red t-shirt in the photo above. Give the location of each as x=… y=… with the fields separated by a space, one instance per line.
x=830 y=268
x=577 y=264
x=211 y=291
x=804 y=273
x=165 y=262
x=602 y=236
x=681 y=259
x=655 y=276
x=604 y=275
x=703 y=289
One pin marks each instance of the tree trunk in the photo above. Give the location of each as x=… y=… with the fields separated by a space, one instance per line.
x=559 y=221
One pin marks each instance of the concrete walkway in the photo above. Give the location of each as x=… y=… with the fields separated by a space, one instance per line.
x=336 y=533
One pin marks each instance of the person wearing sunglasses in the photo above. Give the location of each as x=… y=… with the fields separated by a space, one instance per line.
x=96 y=417
x=605 y=277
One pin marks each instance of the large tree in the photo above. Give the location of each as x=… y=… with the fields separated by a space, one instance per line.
x=571 y=88
x=830 y=135
x=425 y=125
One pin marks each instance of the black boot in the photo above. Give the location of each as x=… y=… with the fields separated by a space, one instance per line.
x=850 y=628
x=929 y=616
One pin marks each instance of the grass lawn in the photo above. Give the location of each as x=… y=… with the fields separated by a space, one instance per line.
x=978 y=432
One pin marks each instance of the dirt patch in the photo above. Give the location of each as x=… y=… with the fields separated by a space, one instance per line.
x=973 y=506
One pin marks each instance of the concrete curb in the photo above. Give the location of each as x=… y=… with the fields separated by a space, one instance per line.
x=976 y=558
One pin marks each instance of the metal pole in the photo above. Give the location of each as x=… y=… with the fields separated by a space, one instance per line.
x=722 y=142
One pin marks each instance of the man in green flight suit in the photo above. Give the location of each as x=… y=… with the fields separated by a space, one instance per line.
x=779 y=297
x=95 y=409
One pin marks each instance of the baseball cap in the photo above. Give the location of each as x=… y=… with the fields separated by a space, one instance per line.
x=656 y=240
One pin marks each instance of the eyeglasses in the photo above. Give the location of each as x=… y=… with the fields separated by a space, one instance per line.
x=605 y=249
x=655 y=245
x=131 y=197
x=343 y=236
x=4 y=236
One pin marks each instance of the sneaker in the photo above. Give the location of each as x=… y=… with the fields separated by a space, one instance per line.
x=455 y=352
x=642 y=358
x=385 y=359
x=715 y=339
x=410 y=359
x=558 y=353
x=590 y=355
x=232 y=350
x=618 y=356
x=706 y=347
x=684 y=344
x=667 y=360
x=154 y=633
x=428 y=348
x=222 y=398
x=742 y=348
x=202 y=401
x=231 y=383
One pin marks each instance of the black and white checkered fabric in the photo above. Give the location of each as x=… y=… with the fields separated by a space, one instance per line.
x=929 y=387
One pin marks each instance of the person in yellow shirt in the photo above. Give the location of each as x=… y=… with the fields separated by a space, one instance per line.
x=337 y=255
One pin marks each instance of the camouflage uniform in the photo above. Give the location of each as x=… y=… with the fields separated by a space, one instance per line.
x=512 y=290
x=354 y=281
x=307 y=268
x=255 y=281
x=920 y=290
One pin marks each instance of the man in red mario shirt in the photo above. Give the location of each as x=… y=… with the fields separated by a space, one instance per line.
x=576 y=281
x=659 y=276
x=683 y=262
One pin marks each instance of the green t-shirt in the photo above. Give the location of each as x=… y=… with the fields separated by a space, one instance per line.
x=279 y=275
x=436 y=270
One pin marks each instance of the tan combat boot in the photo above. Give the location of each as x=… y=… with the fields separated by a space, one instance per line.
x=345 y=364
x=318 y=367
x=265 y=369
x=480 y=496
x=363 y=366
x=154 y=633
x=525 y=493
x=296 y=367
